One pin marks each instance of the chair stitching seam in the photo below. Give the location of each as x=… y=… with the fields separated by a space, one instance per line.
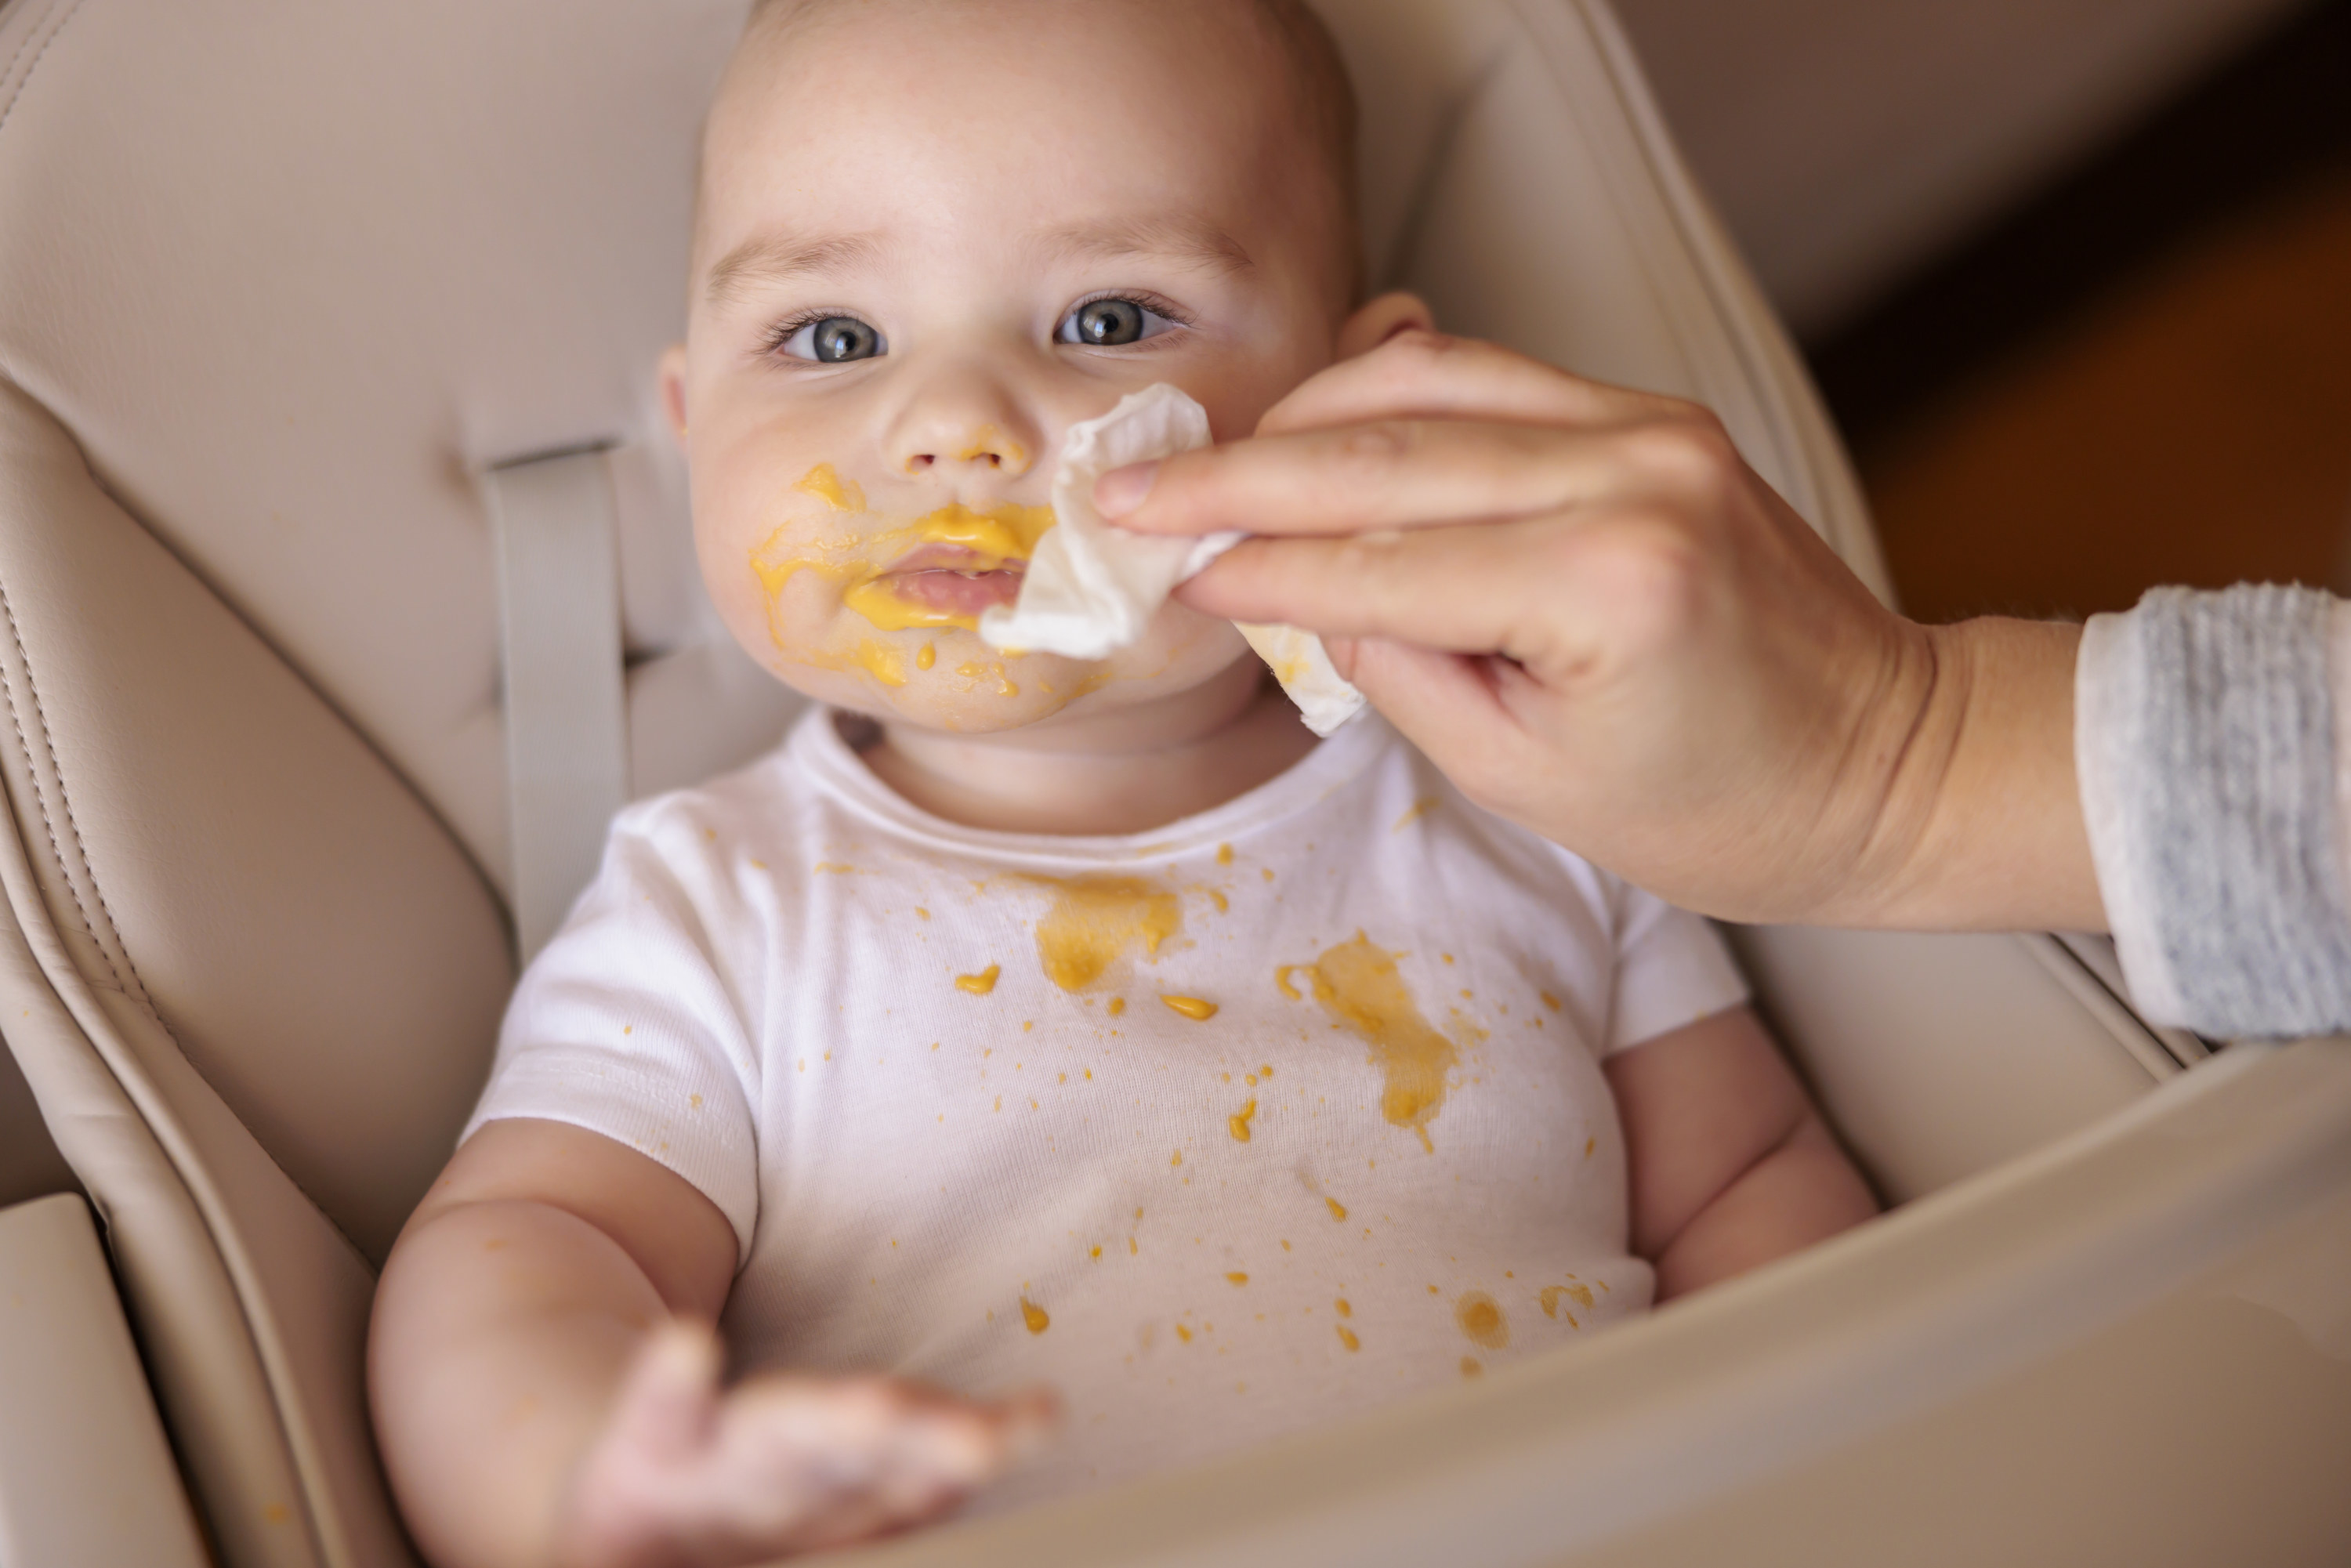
x=10 y=108
x=41 y=796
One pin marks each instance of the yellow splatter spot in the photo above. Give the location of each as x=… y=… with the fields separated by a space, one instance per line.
x=1184 y=1333
x=1224 y=855
x=1281 y=974
x=1469 y=1367
x=276 y=1512
x=979 y=985
x=1338 y=1210
x=835 y=868
x=694 y=1102
x=1344 y=1309
x=1420 y=808
x=1096 y=919
x=1265 y=1071
x=1549 y=1001
x=1480 y=1317
x=1117 y=1006
x=1238 y=1123
x=1358 y=985
x=1236 y=1278
x=1267 y=872
x=1347 y=1337
x=1551 y=1296
x=1096 y=1253
x=1131 y=1247
x=926 y=657
x=921 y=911
x=1178 y=1158
x=1590 y=1145
x=1193 y=1008
x=1035 y=1316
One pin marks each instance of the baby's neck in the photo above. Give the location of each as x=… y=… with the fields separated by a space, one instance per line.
x=1126 y=772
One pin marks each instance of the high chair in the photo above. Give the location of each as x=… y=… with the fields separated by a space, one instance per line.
x=347 y=586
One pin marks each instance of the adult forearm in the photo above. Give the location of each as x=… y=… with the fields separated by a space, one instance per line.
x=501 y=1331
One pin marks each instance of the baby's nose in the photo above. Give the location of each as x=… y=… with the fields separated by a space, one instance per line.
x=984 y=447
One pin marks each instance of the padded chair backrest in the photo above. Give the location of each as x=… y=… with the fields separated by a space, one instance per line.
x=278 y=283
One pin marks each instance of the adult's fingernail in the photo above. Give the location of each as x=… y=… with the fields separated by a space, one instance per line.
x=1122 y=490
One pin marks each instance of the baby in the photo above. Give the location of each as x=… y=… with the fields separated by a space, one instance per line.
x=1085 y=1027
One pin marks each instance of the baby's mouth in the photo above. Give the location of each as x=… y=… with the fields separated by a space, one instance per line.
x=937 y=584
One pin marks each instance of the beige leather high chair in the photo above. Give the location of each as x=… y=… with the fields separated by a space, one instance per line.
x=296 y=302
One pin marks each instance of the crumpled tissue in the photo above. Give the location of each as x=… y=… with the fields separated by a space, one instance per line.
x=1090 y=588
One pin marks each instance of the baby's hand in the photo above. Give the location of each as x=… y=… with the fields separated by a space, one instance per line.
x=686 y=1475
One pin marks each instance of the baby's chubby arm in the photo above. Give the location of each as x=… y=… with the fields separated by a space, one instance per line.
x=547 y=1396
x=1731 y=1165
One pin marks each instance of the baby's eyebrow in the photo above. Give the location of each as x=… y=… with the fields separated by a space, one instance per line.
x=1185 y=241
x=782 y=258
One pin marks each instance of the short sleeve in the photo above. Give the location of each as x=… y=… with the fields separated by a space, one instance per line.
x=1672 y=969
x=629 y=1024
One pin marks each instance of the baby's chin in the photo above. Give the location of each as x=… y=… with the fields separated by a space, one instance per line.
x=952 y=682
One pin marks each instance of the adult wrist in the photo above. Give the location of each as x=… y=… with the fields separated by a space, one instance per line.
x=1983 y=826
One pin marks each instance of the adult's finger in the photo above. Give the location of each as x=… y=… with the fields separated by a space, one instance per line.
x=1422 y=374
x=1509 y=589
x=1412 y=474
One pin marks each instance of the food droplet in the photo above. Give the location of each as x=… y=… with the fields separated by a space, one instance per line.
x=979 y=985
x=1480 y=1317
x=1239 y=1122
x=1338 y=1210
x=1345 y=1310
x=1183 y=1333
x=1192 y=1008
x=1224 y=855
x=926 y=657
x=1034 y=1316
x=1238 y=1278
x=1347 y=1337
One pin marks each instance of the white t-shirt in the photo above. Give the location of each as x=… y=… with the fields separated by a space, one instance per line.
x=965 y=1102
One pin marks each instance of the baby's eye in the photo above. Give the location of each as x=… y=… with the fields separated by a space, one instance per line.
x=835 y=340
x=1108 y=323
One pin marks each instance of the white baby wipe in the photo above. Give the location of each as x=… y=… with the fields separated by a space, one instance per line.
x=1091 y=589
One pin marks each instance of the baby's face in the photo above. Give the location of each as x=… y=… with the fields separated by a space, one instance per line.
x=933 y=235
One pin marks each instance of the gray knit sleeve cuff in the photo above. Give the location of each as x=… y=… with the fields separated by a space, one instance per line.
x=2205 y=739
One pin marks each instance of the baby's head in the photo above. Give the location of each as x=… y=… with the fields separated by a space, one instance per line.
x=931 y=236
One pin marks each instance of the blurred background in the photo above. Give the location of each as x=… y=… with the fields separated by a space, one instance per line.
x=2074 y=275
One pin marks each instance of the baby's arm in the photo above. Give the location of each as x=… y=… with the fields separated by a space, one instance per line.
x=544 y=1394
x=1731 y=1165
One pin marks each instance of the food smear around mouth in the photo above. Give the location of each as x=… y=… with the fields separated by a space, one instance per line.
x=825 y=483
x=979 y=985
x=1096 y=920
x=1481 y=1318
x=882 y=662
x=1359 y=986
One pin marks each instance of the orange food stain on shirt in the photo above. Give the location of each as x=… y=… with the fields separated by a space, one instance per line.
x=979 y=985
x=1035 y=1316
x=1345 y=1310
x=1238 y=1123
x=1193 y=1008
x=1469 y=1367
x=1481 y=1318
x=1347 y=1337
x=1281 y=974
x=1095 y=920
x=1238 y=1278
x=1420 y=808
x=925 y=657
x=1183 y=1333
x=1359 y=986
x=1224 y=855
x=1338 y=1210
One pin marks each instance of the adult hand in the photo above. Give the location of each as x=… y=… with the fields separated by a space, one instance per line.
x=1601 y=623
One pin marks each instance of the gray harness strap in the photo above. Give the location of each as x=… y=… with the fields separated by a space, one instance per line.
x=567 y=743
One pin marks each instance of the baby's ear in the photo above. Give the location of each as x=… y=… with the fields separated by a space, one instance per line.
x=1382 y=318
x=671 y=376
